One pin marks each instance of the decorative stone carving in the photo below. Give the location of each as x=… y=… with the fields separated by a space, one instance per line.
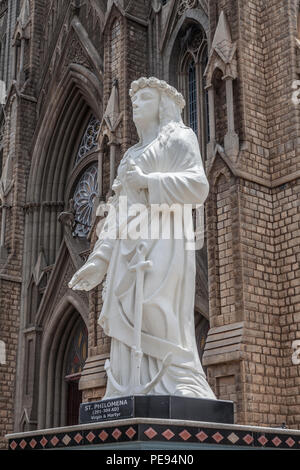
x=156 y=5
x=148 y=308
x=76 y=54
x=89 y=140
x=185 y=5
x=67 y=218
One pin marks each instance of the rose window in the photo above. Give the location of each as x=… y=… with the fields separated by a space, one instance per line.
x=84 y=197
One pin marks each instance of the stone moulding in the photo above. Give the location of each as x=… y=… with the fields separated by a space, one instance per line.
x=224 y=344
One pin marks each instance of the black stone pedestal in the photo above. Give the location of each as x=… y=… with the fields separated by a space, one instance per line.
x=157 y=406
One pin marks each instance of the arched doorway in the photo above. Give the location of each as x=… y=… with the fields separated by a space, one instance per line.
x=64 y=351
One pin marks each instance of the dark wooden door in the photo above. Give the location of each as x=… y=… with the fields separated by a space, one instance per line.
x=74 y=399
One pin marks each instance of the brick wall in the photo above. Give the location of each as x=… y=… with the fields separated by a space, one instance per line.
x=265 y=228
x=287 y=231
x=9 y=320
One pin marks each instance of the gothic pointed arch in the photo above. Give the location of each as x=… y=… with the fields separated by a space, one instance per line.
x=75 y=99
x=191 y=81
x=168 y=44
x=185 y=54
x=48 y=300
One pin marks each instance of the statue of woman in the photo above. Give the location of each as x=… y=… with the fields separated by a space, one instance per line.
x=164 y=167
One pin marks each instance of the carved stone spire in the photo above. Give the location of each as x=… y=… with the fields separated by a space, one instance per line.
x=222 y=42
x=23 y=21
x=222 y=51
x=24 y=15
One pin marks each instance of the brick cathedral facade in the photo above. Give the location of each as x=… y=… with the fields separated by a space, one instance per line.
x=65 y=122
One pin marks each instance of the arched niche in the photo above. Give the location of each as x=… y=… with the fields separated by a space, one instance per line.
x=219 y=87
x=193 y=16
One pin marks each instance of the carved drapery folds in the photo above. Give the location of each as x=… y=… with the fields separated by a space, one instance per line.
x=222 y=57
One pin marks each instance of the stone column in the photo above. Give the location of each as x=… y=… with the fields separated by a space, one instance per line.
x=3 y=251
x=112 y=161
x=212 y=124
x=100 y=175
x=21 y=75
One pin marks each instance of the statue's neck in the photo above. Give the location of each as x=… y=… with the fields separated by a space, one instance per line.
x=147 y=131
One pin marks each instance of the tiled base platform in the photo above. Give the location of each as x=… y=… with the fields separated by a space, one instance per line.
x=156 y=434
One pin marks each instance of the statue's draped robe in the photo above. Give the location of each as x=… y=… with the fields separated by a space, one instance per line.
x=176 y=175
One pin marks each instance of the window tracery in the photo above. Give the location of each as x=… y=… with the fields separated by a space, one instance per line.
x=193 y=61
x=89 y=141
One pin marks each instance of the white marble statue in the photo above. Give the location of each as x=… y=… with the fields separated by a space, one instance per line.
x=148 y=308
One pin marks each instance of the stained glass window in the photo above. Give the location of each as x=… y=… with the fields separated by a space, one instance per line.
x=90 y=139
x=84 y=197
x=193 y=98
x=77 y=353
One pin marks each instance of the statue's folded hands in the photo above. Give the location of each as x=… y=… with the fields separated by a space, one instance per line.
x=135 y=177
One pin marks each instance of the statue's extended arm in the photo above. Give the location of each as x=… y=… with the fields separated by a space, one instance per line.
x=91 y=274
x=93 y=271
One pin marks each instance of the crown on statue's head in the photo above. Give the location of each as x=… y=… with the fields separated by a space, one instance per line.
x=160 y=85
